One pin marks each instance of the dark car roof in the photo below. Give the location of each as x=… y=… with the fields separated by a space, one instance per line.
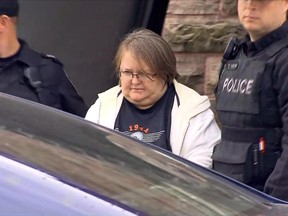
x=101 y=165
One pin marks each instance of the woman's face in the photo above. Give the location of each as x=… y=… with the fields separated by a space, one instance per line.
x=140 y=86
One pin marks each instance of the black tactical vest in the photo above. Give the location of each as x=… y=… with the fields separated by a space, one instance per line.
x=249 y=113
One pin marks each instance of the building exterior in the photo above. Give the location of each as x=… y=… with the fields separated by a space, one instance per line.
x=198 y=31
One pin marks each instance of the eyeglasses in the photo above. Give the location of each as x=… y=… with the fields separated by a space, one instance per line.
x=140 y=75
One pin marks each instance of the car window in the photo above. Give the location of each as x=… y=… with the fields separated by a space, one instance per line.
x=28 y=191
x=129 y=173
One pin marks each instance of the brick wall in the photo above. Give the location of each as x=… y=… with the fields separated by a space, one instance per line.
x=198 y=31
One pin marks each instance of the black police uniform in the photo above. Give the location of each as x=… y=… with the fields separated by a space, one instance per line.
x=252 y=102
x=39 y=78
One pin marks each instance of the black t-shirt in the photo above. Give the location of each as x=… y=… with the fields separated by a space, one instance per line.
x=150 y=125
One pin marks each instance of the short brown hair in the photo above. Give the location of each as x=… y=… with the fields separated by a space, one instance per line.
x=149 y=47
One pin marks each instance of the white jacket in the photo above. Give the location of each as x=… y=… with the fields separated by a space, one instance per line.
x=194 y=131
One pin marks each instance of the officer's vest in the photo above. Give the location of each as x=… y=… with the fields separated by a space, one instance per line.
x=247 y=154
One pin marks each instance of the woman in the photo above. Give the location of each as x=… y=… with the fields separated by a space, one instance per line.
x=149 y=104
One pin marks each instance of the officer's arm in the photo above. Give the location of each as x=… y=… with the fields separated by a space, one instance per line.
x=277 y=183
x=72 y=102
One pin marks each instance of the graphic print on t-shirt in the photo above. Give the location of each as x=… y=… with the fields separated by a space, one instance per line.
x=142 y=133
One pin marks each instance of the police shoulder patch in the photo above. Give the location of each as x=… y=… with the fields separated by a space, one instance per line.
x=51 y=57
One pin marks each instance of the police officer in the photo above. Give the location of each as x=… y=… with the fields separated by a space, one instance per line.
x=31 y=75
x=252 y=100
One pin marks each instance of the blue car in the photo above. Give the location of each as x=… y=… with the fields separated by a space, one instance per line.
x=54 y=163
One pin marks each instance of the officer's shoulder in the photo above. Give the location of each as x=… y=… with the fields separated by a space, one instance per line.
x=51 y=58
